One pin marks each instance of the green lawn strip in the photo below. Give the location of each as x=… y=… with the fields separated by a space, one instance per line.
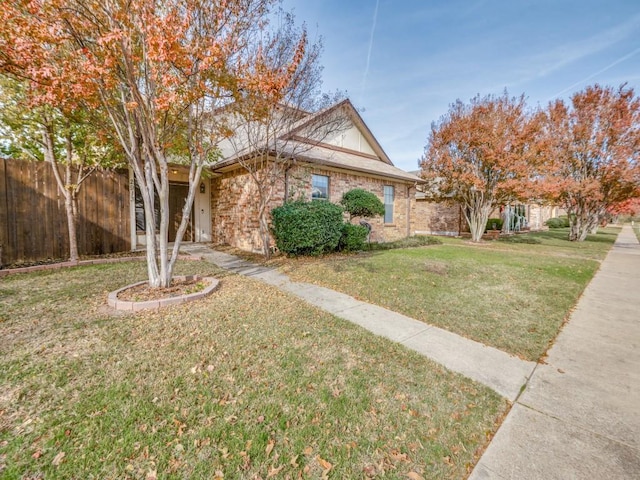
x=248 y=382
x=513 y=296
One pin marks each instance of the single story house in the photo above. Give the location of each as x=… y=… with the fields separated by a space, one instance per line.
x=225 y=208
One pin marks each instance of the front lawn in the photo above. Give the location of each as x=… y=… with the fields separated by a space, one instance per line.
x=513 y=294
x=248 y=383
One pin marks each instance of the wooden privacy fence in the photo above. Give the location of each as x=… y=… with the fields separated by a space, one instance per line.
x=33 y=222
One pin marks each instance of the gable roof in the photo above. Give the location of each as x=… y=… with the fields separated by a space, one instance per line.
x=295 y=143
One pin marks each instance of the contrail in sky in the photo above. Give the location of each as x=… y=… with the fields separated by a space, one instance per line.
x=366 y=69
x=611 y=65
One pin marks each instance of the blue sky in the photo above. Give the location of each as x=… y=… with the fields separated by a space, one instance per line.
x=402 y=62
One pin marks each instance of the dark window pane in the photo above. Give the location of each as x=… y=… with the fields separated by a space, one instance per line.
x=319 y=187
x=388 y=204
x=140 y=217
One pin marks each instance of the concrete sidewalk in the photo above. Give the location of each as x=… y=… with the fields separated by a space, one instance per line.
x=579 y=417
x=494 y=368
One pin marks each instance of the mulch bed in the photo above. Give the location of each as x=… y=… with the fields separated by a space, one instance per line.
x=143 y=293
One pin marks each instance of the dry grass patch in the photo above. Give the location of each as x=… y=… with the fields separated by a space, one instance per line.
x=247 y=383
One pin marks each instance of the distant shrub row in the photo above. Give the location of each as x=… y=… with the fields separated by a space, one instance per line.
x=558 y=222
x=415 y=241
x=494 y=224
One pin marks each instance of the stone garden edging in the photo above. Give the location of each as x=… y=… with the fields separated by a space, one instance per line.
x=114 y=302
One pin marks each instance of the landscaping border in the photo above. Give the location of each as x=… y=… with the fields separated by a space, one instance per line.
x=112 y=299
x=97 y=261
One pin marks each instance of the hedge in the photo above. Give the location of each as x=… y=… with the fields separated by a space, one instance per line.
x=307 y=228
x=559 y=222
x=354 y=237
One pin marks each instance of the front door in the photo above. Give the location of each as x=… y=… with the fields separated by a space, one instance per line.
x=178 y=193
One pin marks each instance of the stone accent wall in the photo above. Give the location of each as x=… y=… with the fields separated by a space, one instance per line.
x=234 y=206
x=433 y=218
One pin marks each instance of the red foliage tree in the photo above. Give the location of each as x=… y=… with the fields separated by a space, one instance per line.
x=482 y=155
x=157 y=69
x=593 y=153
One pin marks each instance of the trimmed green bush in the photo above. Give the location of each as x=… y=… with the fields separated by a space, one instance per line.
x=559 y=222
x=491 y=222
x=361 y=203
x=354 y=237
x=307 y=228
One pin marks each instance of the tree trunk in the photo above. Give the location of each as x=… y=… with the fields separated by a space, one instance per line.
x=264 y=231
x=71 y=226
x=477 y=214
x=50 y=156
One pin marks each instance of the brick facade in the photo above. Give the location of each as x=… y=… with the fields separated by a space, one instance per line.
x=433 y=218
x=235 y=209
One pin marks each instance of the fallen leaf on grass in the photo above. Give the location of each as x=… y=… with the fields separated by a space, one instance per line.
x=415 y=476
x=270 y=444
x=57 y=460
x=273 y=471
x=324 y=464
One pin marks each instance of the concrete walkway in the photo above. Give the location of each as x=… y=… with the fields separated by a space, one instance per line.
x=498 y=370
x=579 y=417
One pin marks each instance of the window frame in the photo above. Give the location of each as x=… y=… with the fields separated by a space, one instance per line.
x=315 y=176
x=388 y=207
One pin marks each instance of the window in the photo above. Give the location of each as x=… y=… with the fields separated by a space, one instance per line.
x=388 y=204
x=319 y=187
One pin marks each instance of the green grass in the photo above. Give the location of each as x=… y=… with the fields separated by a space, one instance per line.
x=513 y=294
x=248 y=383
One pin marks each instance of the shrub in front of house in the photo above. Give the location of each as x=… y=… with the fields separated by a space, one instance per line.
x=558 y=222
x=354 y=237
x=361 y=203
x=494 y=224
x=307 y=228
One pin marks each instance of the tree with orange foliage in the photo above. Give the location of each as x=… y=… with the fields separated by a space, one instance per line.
x=630 y=207
x=482 y=155
x=157 y=69
x=593 y=153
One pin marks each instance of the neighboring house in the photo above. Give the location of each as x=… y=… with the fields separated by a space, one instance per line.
x=447 y=218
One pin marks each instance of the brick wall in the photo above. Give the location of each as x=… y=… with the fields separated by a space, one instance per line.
x=341 y=182
x=235 y=208
x=433 y=218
